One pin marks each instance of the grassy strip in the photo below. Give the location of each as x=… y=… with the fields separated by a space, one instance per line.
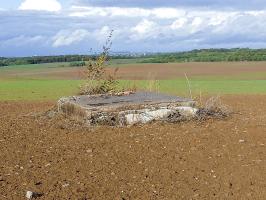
x=179 y=86
x=37 y=89
x=21 y=89
x=111 y=63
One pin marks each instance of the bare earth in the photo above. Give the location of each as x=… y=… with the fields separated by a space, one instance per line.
x=150 y=71
x=177 y=70
x=220 y=159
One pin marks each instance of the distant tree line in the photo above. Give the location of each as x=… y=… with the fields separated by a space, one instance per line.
x=72 y=59
x=202 y=55
x=210 y=55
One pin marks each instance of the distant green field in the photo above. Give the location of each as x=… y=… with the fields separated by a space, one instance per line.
x=14 y=86
x=54 y=89
x=35 y=66
x=206 y=86
x=125 y=62
x=37 y=89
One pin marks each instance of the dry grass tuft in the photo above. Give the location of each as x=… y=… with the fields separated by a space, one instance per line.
x=153 y=84
x=214 y=108
x=73 y=110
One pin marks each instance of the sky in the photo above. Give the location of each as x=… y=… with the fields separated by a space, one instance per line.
x=56 y=27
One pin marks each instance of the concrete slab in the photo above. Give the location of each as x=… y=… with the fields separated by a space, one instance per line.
x=97 y=109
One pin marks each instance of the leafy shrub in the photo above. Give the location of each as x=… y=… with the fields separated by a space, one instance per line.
x=97 y=80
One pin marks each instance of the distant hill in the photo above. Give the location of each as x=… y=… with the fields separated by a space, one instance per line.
x=51 y=59
x=202 y=55
x=210 y=55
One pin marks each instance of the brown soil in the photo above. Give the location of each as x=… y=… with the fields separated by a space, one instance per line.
x=215 y=159
x=176 y=70
x=152 y=71
x=48 y=73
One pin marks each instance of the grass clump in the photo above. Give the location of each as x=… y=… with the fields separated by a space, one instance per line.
x=73 y=110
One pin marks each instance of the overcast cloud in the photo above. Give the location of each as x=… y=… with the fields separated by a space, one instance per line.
x=42 y=27
x=220 y=4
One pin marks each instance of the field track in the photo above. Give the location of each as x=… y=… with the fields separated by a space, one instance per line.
x=208 y=160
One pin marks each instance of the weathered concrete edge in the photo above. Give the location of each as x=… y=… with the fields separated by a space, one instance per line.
x=129 y=115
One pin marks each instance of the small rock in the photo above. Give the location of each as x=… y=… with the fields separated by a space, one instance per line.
x=47 y=165
x=65 y=185
x=186 y=111
x=241 y=141
x=33 y=195
x=89 y=150
x=38 y=183
x=29 y=195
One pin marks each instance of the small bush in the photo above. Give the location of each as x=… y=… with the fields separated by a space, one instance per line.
x=97 y=80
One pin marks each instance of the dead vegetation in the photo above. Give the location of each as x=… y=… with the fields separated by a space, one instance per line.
x=70 y=109
x=153 y=84
x=214 y=107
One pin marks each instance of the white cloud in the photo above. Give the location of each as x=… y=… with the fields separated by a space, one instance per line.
x=41 y=5
x=66 y=38
x=23 y=40
x=79 y=11
x=161 y=13
x=167 y=13
x=101 y=34
x=179 y=23
x=135 y=29
x=199 y=4
x=144 y=26
x=196 y=24
x=144 y=29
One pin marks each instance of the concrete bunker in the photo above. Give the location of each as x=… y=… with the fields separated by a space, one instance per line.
x=128 y=108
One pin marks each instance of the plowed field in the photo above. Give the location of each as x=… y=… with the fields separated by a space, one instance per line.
x=214 y=159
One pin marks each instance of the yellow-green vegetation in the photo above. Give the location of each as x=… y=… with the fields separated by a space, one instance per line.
x=203 y=55
x=31 y=82
x=97 y=80
x=54 y=89
x=20 y=89
x=205 y=86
